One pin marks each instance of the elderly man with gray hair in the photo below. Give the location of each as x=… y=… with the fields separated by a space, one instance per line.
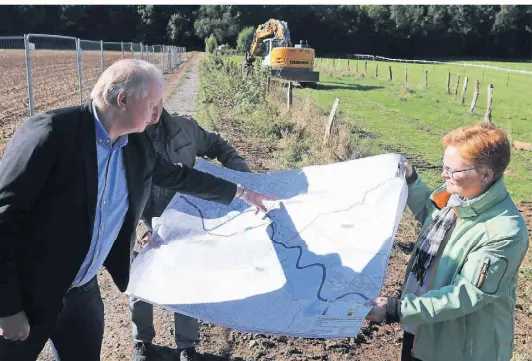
x=73 y=184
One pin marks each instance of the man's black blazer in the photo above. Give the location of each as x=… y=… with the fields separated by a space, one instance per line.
x=48 y=194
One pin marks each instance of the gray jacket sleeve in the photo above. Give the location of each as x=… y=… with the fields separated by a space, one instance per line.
x=183 y=179
x=213 y=146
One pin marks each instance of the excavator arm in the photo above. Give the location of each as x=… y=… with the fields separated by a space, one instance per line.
x=273 y=28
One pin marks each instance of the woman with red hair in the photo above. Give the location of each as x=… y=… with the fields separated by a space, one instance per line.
x=458 y=296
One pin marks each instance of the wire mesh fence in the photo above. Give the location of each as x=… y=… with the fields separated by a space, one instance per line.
x=54 y=76
x=112 y=52
x=92 y=65
x=40 y=72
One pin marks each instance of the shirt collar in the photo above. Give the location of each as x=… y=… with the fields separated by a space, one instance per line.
x=101 y=134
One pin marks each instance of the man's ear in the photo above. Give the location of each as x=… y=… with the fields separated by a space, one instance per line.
x=121 y=99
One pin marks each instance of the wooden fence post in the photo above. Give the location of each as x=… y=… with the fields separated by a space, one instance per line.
x=390 y=70
x=449 y=83
x=377 y=71
x=464 y=90
x=487 y=115
x=289 y=95
x=457 y=85
x=348 y=66
x=268 y=81
x=406 y=75
x=426 y=78
x=356 y=69
x=330 y=122
x=507 y=79
x=365 y=67
x=475 y=97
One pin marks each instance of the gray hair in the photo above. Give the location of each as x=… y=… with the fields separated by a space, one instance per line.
x=132 y=76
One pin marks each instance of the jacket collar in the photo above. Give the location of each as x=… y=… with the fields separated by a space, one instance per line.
x=492 y=196
x=171 y=126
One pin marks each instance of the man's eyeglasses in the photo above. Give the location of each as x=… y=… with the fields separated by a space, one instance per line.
x=451 y=172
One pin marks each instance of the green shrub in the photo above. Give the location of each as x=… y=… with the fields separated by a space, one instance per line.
x=211 y=44
x=244 y=39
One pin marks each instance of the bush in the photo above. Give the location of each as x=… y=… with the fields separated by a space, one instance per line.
x=245 y=38
x=211 y=44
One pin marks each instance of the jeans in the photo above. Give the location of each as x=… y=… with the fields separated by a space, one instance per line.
x=76 y=333
x=186 y=328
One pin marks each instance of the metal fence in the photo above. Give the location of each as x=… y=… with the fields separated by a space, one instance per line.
x=39 y=72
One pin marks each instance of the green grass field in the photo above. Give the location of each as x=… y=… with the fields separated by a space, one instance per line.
x=411 y=119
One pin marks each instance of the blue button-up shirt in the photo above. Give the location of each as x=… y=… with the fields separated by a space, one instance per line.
x=112 y=202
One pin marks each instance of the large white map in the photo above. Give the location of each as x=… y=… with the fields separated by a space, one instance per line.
x=303 y=269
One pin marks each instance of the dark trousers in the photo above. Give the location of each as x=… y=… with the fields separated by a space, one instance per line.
x=76 y=334
x=408 y=345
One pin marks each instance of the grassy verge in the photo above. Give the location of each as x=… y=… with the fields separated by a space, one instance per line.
x=228 y=97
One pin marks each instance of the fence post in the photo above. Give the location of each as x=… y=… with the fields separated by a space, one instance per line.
x=464 y=90
x=333 y=64
x=475 y=97
x=78 y=54
x=390 y=70
x=507 y=79
x=268 y=82
x=449 y=83
x=426 y=78
x=340 y=64
x=28 y=75
x=162 y=57
x=122 y=48
x=377 y=71
x=101 y=56
x=141 y=51
x=132 y=51
x=487 y=115
x=348 y=66
x=406 y=75
x=330 y=122
x=365 y=68
x=356 y=69
x=289 y=95
x=457 y=84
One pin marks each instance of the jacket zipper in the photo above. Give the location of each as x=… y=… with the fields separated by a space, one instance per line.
x=483 y=272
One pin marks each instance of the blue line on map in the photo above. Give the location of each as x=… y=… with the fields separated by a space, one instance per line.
x=322 y=266
x=272 y=225
x=218 y=226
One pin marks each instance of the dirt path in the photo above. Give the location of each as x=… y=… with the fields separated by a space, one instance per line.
x=381 y=342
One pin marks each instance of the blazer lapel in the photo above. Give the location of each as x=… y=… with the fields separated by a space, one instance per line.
x=90 y=161
x=134 y=187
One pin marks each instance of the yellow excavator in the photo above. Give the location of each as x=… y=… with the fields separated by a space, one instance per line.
x=295 y=63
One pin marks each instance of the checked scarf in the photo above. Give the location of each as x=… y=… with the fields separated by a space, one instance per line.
x=431 y=237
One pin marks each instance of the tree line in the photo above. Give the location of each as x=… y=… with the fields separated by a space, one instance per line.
x=406 y=31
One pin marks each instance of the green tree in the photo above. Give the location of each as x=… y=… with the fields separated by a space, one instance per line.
x=220 y=20
x=245 y=38
x=211 y=44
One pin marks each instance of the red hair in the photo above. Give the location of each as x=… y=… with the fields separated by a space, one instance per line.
x=483 y=145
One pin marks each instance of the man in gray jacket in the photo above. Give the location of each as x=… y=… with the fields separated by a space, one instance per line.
x=178 y=139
